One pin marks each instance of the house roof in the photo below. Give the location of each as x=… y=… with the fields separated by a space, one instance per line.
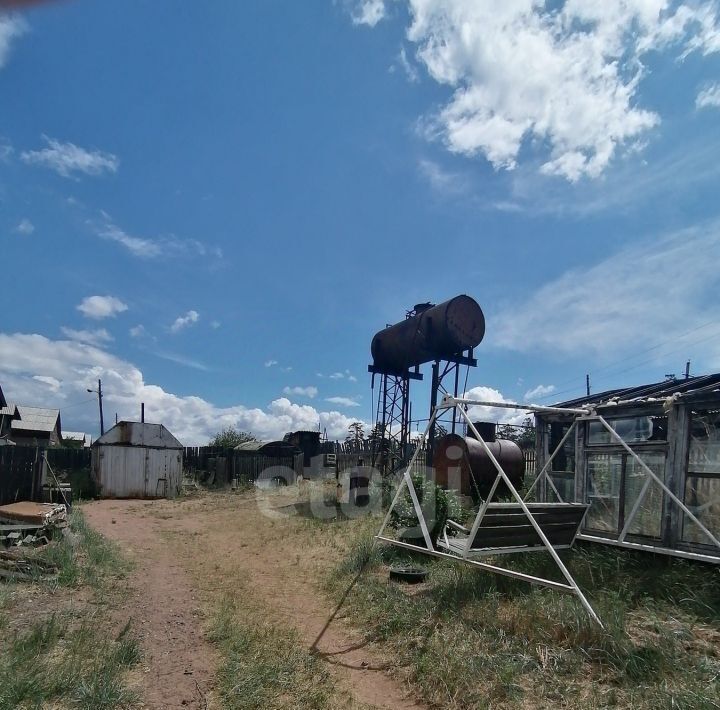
x=268 y=447
x=154 y=436
x=77 y=436
x=3 y=403
x=692 y=386
x=9 y=410
x=37 y=419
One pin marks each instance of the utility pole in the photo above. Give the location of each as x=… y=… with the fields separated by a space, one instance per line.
x=98 y=392
x=687 y=370
x=587 y=384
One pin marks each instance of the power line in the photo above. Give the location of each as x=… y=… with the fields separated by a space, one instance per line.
x=614 y=364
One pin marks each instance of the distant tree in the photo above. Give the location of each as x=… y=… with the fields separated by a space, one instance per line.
x=230 y=437
x=523 y=436
x=355 y=436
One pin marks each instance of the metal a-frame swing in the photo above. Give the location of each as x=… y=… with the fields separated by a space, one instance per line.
x=500 y=528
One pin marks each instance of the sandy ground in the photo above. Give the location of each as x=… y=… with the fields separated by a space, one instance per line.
x=189 y=553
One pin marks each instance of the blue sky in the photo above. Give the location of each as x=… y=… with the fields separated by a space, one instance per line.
x=214 y=206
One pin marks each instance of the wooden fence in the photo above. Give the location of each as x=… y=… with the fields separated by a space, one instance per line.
x=21 y=470
x=219 y=466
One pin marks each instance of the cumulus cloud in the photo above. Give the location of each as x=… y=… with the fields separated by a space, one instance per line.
x=310 y=392
x=659 y=289
x=182 y=322
x=709 y=97
x=66 y=159
x=25 y=227
x=93 y=337
x=11 y=27
x=77 y=366
x=539 y=392
x=482 y=413
x=343 y=401
x=558 y=81
x=101 y=306
x=368 y=12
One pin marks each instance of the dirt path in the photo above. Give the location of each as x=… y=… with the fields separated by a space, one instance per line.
x=163 y=606
x=195 y=550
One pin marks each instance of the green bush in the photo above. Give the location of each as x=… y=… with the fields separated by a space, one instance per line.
x=437 y=505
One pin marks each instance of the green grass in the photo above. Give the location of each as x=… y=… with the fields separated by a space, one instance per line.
x=472 y=640
x=265 y=666
x=53 y=660
x=83 y=558
x=66 y=657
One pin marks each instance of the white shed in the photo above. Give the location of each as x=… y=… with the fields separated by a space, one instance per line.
x=137 y=460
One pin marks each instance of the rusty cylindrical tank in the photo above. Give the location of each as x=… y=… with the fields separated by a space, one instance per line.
x=462 y=464
x=435 y=333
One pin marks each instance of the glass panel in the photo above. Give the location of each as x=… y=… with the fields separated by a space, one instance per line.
x=565 y=484
x=565 y=459
x=648 y=519
x=631 y=429
x=702 y=496
x=704 y=456
x=603 y=474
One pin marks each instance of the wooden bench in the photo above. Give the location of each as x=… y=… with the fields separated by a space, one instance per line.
x=505 y=528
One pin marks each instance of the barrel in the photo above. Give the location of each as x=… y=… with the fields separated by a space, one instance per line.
x=462 y=464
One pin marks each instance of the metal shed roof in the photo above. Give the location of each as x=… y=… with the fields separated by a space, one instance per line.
x=36 y=419
x=692 y=386
x=154 y=436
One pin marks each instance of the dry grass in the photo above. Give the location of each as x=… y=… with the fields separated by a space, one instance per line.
x=473 y=640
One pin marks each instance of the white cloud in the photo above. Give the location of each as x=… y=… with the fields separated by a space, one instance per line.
x=77 y=366
x=340 y=376
x=337 y=376
x=137 y=246
x=368 y=12
x=492 y=414
x=137 y=331
x=539 y=392
x=411 y=72
x=11 y=27
x=310 y=392
x=709 y=97
x=101 y=306
x=182 y=322
x=92 y=337
x=68 y=158
x=151 y=248
x=215 y=324
x=343 y=401
x=51 y=382
x=653 y=291
x=549 y=81
x=271 y=363
x=25 y=227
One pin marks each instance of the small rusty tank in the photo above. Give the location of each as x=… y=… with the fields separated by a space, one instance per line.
x=462 y=464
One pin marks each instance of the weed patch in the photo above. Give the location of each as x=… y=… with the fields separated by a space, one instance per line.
x=475 y=640
x=266 y=666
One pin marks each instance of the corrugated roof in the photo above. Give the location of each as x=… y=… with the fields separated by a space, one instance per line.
x=36 y=419
x=658 y=390
x=155 y=436
x=8 y=410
